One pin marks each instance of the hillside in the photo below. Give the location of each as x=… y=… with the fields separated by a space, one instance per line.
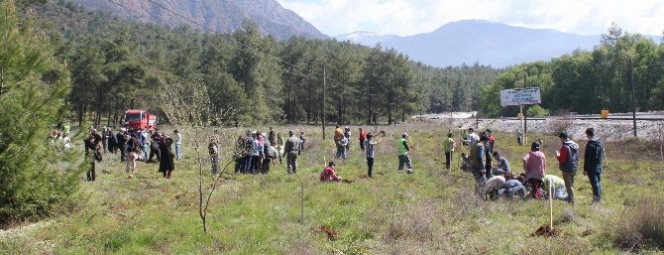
x=488 y=43
x=222 y=16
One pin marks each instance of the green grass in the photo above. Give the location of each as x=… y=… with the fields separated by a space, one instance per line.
x=429 y=212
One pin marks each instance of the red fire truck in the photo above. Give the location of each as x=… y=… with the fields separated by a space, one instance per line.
x=139 y=119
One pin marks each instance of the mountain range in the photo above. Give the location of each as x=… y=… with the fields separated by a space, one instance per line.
x=221 y=16
x=488 y=43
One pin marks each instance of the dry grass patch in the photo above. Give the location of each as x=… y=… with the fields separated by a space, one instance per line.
x=642 y=226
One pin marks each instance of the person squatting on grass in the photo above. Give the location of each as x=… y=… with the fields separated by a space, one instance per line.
x=503 y=166
x=292 y=149
x=369 y=145
x=448 y=147
x=558 y=189
x=477 y=166
x=592 y=165
x=513 y=186
x=568 y=162
x=534 y=164
x=328 y=174
x=402 y=151
x=492 y=186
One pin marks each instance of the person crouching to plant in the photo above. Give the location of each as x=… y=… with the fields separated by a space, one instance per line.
x=534 y=163
x=503 y=166
x=492 y=186
x=329 y=175
x=558 y=189
x=513 y=186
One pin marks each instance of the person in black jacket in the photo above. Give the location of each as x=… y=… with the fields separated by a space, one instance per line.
x=592 y=165
x=121 y=145
x=93 y=154
x=167 y=160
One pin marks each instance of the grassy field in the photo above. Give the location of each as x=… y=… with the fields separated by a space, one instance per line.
x=432 y=211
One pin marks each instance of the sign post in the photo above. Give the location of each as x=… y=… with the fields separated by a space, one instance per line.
x=520 y=97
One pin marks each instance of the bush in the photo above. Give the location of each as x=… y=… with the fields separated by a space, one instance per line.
x=536 y=111
x=641 y=227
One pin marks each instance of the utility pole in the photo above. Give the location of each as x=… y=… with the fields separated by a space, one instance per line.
x=525 y=119
x=631 y=82
x=477 y=114
x=323 y=117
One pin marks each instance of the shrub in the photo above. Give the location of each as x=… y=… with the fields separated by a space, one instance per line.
x=536 y=111
x=642 y=226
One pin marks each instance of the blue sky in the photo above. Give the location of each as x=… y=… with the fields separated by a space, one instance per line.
x=409 y=17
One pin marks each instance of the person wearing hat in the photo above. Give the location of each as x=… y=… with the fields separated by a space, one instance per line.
x=328 y=174
x=369 y=144
x=592 y=165
x=292 y=150
x=363 y=137
x=402 y=151
x=448 y=147
x=534 y=164
x=568 y=162
x=338 y=132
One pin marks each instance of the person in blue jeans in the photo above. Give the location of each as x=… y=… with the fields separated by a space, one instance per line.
x=592 y=165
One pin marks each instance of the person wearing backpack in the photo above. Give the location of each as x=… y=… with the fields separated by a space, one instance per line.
x=568 y=162
x=592 y=165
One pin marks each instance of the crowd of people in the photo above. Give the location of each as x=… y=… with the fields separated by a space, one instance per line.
x=256 y=151
x=131 y=145
x=495 y=181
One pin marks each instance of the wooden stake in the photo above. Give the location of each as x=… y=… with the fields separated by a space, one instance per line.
x=551 y=190
x=661 y=151
x=302 y=199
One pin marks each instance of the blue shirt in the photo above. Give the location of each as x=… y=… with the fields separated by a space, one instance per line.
x=503 y=164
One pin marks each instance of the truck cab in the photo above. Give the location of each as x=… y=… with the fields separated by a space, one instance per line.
x=139 y=119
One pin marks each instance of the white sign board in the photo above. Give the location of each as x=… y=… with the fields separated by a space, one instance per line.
x=520 y=96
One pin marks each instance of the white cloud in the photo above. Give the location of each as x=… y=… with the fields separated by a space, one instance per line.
x=408 y=17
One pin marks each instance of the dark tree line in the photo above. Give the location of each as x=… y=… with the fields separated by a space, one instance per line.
x=117 y=65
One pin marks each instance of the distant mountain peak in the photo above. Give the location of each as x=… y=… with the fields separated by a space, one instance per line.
x=222 y=16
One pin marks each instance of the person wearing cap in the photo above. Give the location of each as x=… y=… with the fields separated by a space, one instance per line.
x=472 y=137
x=369 y=144
x=592 y=165
x=477 y=164
x=363 y=137
x=568 y=162
x=292 y=150
x=534 y=164
x=328 y=174
x=448 y=147
x=402 y=151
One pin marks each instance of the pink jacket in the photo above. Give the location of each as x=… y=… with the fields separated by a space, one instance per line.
x=534 y=163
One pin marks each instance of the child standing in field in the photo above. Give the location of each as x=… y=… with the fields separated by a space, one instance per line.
x=369 y=145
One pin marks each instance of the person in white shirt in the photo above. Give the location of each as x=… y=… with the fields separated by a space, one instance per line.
x=67 y=141
x=472 y=138
x=178 y=143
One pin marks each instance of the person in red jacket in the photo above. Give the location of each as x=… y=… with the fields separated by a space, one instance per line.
x=363 y=137
x=328 y=174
